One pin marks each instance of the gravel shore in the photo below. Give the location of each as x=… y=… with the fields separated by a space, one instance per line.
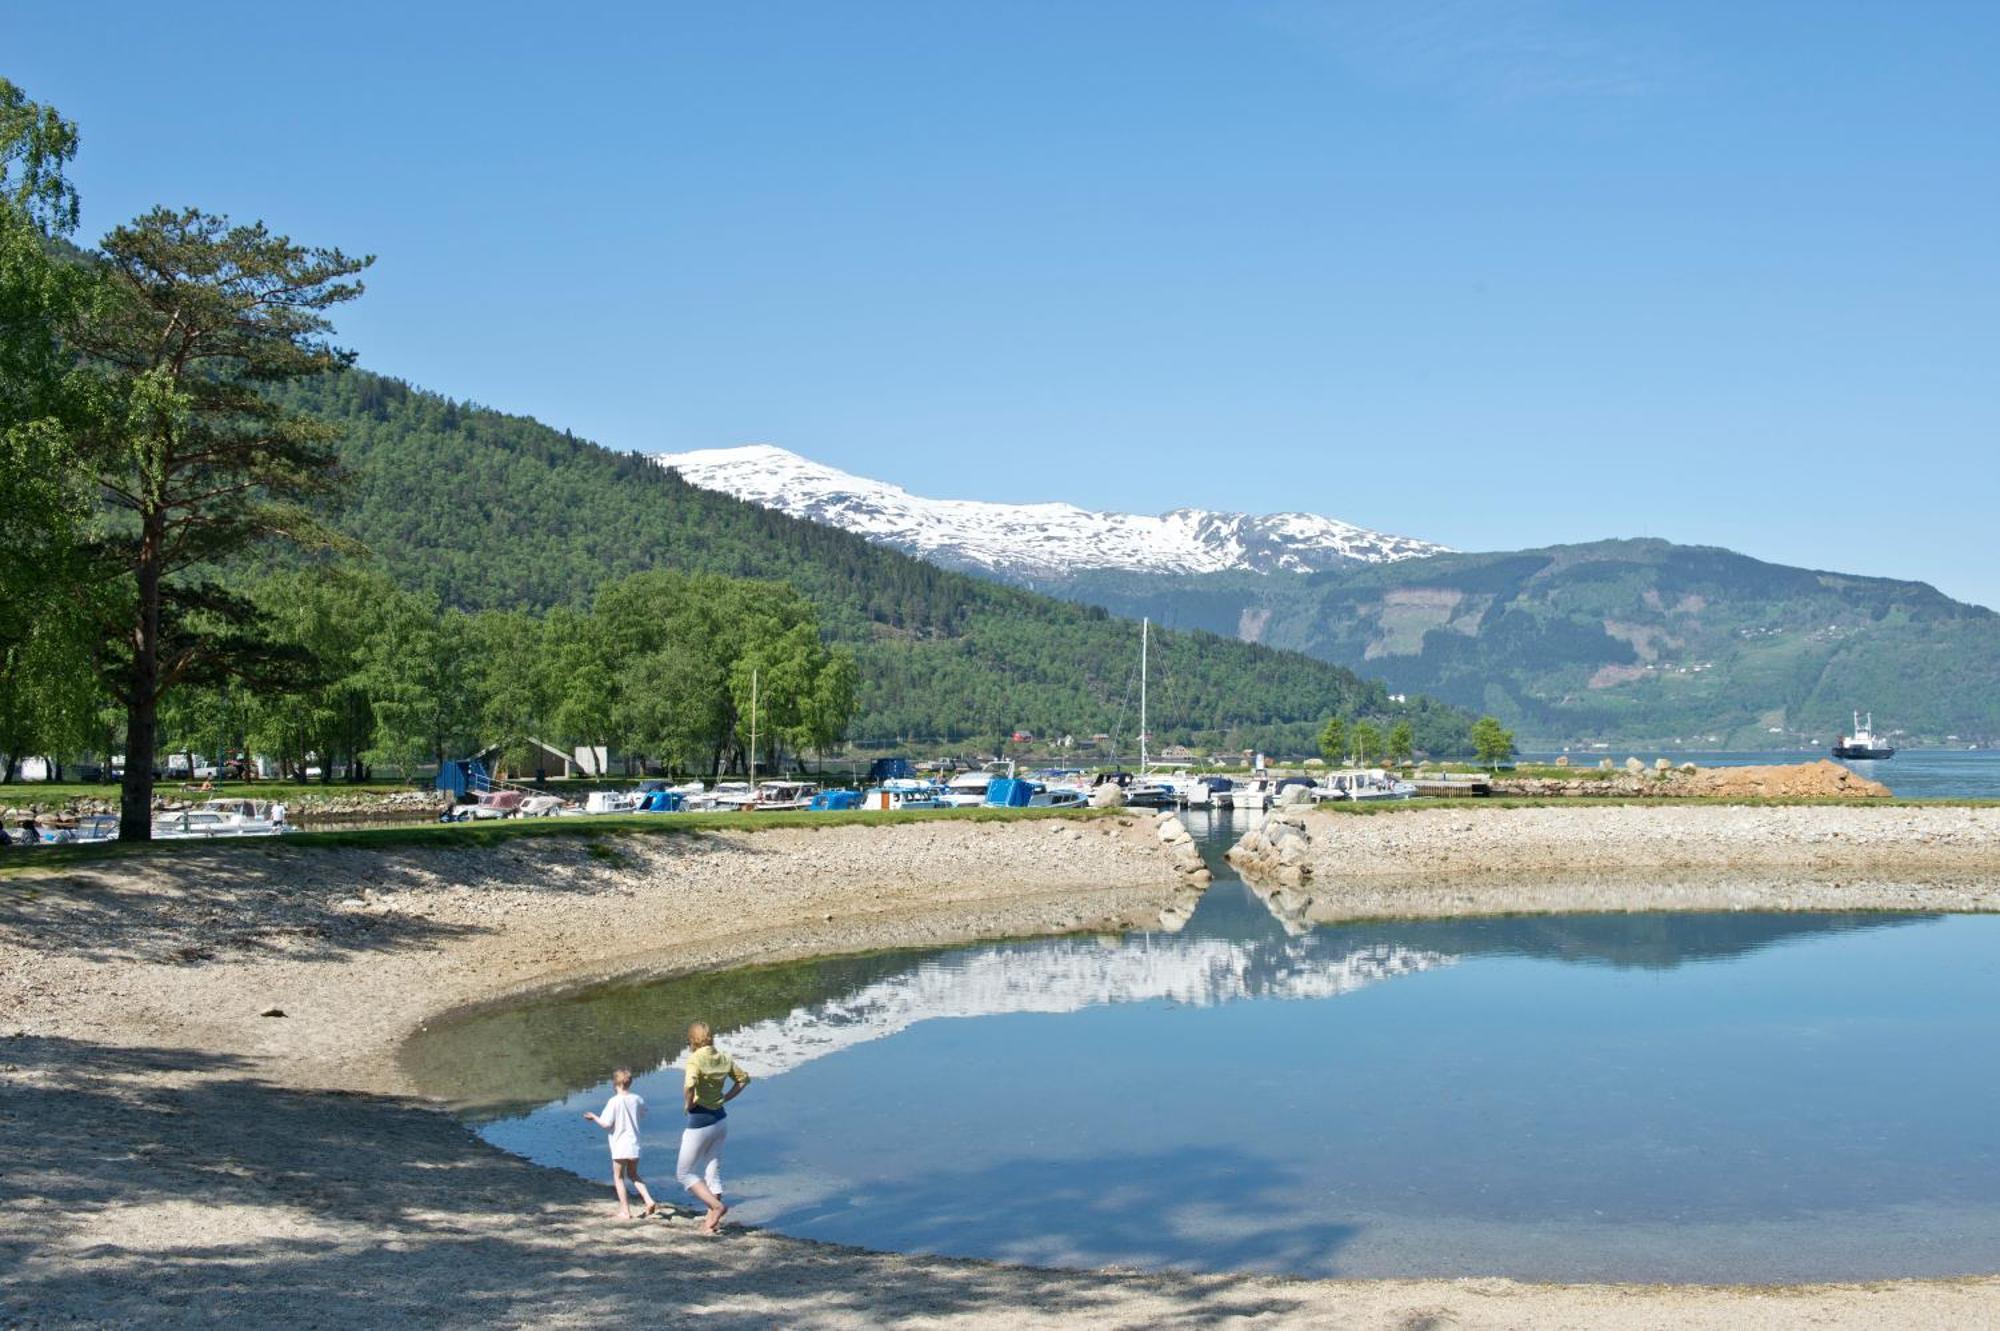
x=178 y=1153
x=1495 y=859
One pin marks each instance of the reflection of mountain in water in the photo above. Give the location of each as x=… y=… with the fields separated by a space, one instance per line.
x=1067 y=975
x=510 y=1059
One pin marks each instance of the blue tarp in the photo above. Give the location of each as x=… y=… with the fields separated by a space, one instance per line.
x=661 y=801
x=462 y=778
x=890 y=769
x=1009 y=792
x=836 y=799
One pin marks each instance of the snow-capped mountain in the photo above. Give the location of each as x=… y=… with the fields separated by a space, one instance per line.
x=1031 y=541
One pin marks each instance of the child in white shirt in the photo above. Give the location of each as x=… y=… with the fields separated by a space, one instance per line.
x=620 y=1119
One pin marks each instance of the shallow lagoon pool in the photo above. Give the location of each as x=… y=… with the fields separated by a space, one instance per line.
x=1702 y=1097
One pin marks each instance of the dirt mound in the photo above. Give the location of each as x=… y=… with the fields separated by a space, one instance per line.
x=1816 y=780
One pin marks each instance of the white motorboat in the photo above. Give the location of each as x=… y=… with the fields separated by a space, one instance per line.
x=223 y=817
x=1150 y=793
x=1253 y=794
x=725 y=796
x=543 y=806
x=1190 y=792
x=1362 y=784
x=904 y=793
x=969 y=788
x=779 y=796
x=612 y=801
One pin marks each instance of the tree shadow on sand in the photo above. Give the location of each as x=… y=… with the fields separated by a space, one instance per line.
x=165 y=1186
x=241 y=900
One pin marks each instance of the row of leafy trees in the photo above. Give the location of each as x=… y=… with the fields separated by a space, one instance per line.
x=662 y=668
x=1364 y=742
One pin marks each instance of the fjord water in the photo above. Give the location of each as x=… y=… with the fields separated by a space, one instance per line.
x=1714 y=1097
x=1913 y=774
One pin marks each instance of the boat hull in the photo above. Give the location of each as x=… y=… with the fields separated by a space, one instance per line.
x=1863 y=752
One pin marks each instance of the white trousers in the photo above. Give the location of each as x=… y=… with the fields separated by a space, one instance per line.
x=701 y=1156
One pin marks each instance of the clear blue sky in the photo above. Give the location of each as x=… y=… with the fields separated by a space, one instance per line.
x=1496 y=274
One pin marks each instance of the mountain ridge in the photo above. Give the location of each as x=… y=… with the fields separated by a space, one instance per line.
x=1633 y=640
x=1028 y=543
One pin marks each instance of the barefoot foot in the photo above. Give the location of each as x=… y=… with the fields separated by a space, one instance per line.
x=713 y=1225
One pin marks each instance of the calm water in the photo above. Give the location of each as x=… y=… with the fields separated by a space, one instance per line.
x=1649 y=1097
x=1917 y=774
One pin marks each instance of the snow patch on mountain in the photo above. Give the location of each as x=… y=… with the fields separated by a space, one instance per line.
x=1028 y=541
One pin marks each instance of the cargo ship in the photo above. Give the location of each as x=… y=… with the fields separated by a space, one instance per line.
x=1862 y=744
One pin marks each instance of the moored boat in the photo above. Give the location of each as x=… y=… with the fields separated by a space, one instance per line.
x=612 y=801
x=223 y=817
x=1362 y=784
x=779 y=796
x=905 y=793
x=969 y=788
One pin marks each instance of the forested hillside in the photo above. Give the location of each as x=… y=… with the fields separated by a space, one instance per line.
x=1639 y=640
x=487 y=510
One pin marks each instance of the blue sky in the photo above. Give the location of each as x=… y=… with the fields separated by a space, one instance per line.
x=1496 y=274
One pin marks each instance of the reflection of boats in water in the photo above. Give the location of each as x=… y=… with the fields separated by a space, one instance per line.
x=1862 y=743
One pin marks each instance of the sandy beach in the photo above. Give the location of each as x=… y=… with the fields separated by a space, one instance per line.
x=176 y=1155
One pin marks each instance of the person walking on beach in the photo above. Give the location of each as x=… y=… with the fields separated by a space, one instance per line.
x=707 y=1121
x=620 y=1120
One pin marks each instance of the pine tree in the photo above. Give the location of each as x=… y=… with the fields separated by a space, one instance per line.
x=196 y=464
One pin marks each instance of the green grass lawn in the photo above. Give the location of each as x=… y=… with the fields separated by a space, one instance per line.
x=60 y=792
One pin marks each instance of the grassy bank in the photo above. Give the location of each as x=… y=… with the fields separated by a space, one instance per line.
x=493 y=832
x=61 y=792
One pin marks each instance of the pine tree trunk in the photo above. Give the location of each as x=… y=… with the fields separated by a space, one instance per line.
x=142 y=696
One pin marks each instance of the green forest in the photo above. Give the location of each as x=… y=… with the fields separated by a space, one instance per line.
x=487 y=511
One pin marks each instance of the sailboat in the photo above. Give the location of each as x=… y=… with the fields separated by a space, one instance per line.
x=1146 y=791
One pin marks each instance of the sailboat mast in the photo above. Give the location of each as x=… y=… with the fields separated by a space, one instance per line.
x=1145 y=631
x=753 y=727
